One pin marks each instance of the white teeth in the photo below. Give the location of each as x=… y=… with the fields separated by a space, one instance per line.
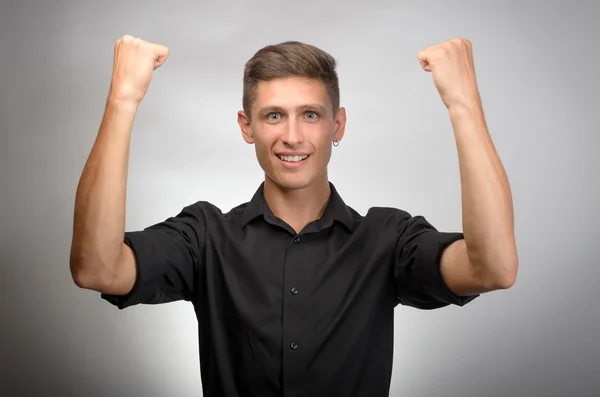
x=292 y=158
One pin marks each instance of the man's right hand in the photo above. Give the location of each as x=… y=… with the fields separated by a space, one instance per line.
x=134 y=62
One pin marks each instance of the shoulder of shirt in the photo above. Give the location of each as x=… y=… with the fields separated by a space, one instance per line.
x=378 y=215
x=209 y=208
x=379 y=212
x=383 y=219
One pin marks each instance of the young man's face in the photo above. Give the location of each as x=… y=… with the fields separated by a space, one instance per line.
x=292 y=127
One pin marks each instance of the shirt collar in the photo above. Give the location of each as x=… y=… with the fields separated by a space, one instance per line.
x=336 y=209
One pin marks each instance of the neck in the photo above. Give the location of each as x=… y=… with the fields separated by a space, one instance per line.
x=298 y=207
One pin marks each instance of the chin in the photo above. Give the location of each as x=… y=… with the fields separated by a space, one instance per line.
x=291 y=182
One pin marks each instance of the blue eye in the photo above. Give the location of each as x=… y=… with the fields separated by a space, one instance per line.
x=311 y=115
x=270 y=116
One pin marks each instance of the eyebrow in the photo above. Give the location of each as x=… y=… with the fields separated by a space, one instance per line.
x=309 y=106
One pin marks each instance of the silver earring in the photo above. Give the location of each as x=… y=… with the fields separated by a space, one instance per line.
x=336 y=143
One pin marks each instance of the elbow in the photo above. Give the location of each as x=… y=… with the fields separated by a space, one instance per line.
x=506 y=282
x=498 y=272
x=81 y=278
x=504 y=279
x=511 y=268
x=77 y=273
x=86 y=275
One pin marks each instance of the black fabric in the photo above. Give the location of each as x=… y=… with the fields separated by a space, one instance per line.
x=280 y=313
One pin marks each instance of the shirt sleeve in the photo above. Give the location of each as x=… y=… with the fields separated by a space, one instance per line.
x=167 y=259
x=417 y=273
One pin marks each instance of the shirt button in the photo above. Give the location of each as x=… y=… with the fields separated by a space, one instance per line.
x=293 y=346
x=293 y=291
x=297 y=240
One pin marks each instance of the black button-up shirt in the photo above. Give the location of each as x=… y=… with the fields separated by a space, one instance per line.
x=282 y=313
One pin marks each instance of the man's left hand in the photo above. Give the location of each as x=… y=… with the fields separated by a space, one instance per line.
x=453 y=71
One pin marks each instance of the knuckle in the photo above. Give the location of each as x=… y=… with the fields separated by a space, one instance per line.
x=452 y=45
x=444 y=48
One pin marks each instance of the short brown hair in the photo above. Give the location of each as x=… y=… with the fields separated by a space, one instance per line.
x=287 y=59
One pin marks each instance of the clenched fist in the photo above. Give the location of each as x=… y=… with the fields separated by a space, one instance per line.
x=134 y=62
x=451 y=64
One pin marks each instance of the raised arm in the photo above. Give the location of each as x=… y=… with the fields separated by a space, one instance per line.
x=99 y=259
x=486 y=259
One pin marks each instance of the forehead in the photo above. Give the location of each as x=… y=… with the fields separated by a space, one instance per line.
x=291 y=92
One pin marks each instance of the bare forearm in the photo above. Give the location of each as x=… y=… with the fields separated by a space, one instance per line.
x=487 y=205
x=99 y=220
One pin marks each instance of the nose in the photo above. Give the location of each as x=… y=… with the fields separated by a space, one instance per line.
x=292 y=134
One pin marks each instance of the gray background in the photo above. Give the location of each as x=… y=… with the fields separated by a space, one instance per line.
x=537 y=65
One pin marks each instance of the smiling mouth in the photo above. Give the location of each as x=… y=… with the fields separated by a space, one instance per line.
x=292 y=159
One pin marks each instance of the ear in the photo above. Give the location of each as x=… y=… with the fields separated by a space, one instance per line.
x=340 y=124
x=244 y=123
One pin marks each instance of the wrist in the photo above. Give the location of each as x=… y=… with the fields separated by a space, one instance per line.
x=468 y=122
x=122 y=104
x=466 y=109
x=466 y=113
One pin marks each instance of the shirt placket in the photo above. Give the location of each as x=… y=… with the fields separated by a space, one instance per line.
x=294 y=331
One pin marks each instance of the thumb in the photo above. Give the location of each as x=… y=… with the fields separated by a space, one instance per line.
x=424 y=61
x=161 y=53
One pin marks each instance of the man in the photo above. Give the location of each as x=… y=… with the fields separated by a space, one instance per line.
x=294 y=291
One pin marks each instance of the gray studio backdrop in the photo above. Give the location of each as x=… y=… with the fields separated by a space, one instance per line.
x=537 y=65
